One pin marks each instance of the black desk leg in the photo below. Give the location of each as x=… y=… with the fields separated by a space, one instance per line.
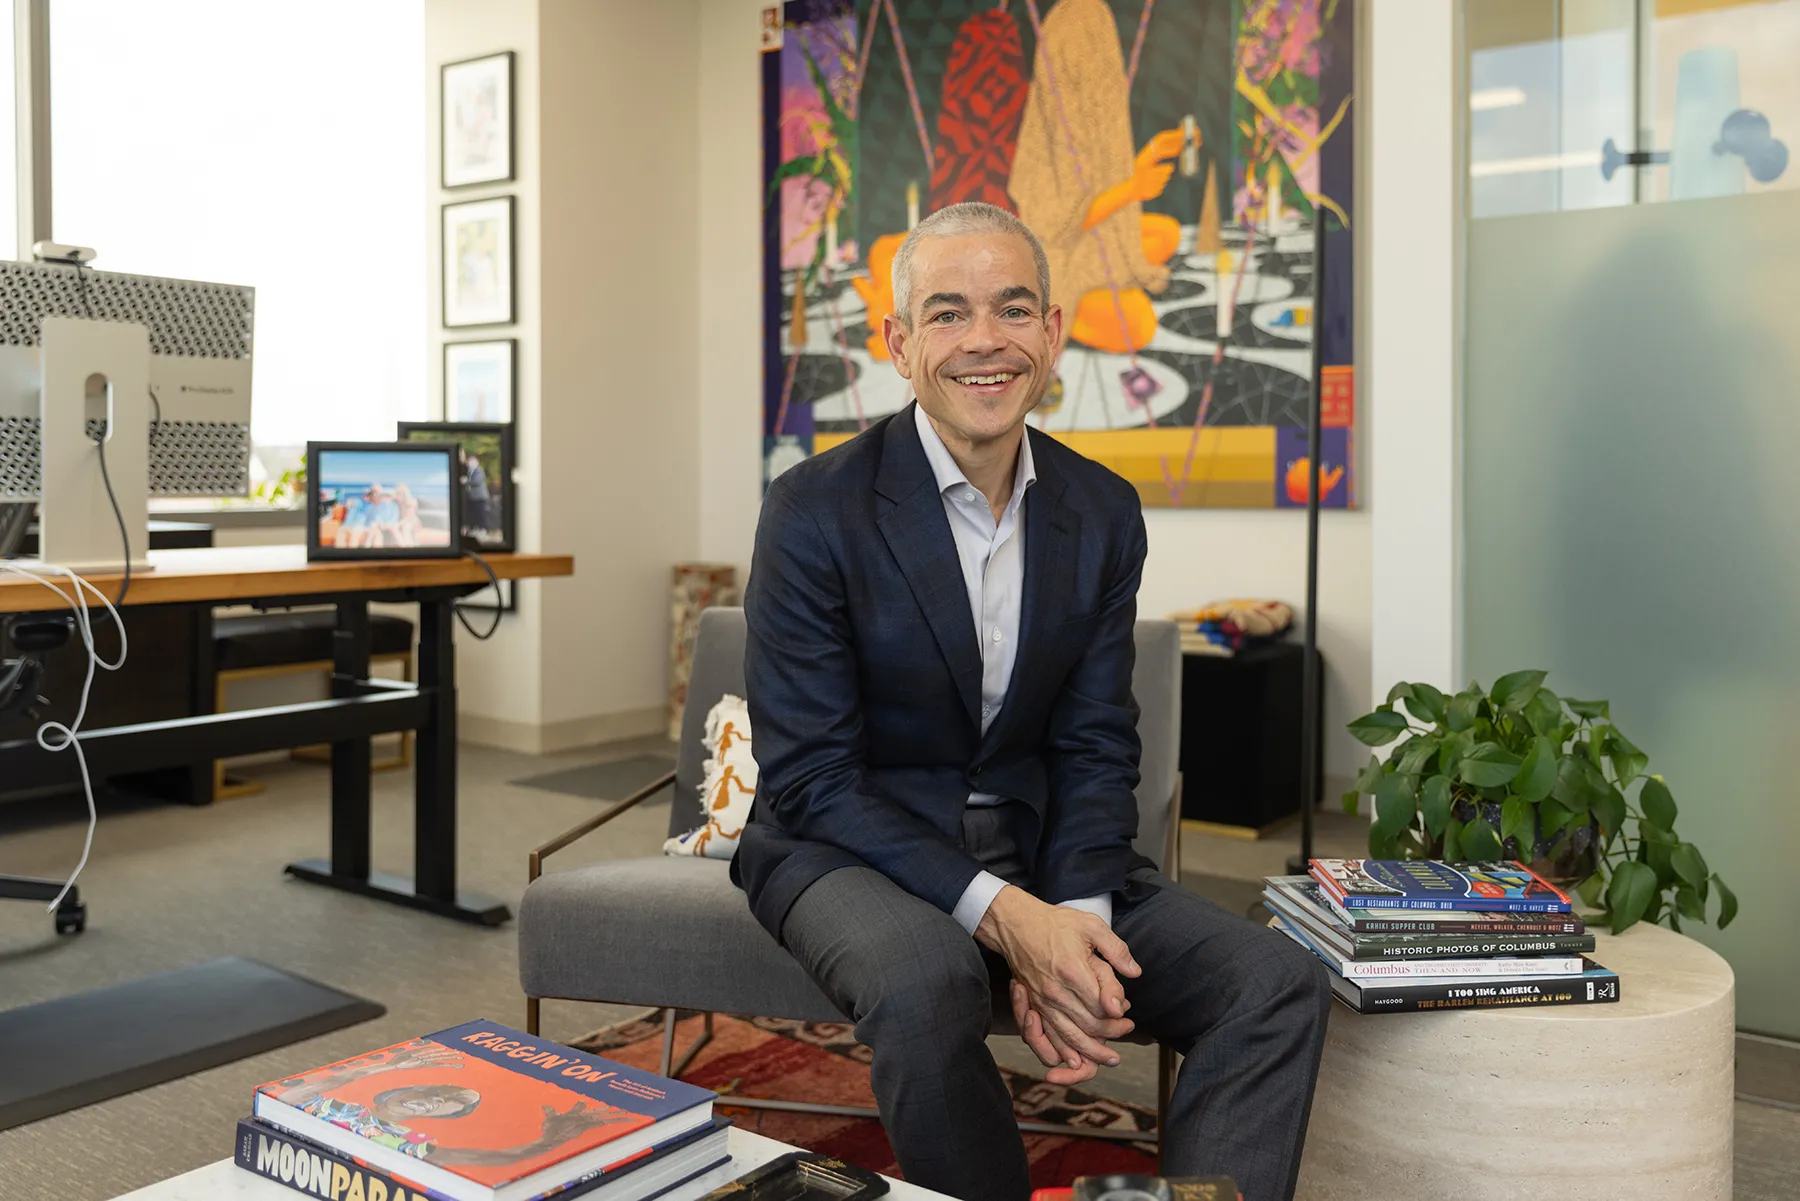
x=433 y=887
x=350 y=761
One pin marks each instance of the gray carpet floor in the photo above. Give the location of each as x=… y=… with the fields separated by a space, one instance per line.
x=169 y=886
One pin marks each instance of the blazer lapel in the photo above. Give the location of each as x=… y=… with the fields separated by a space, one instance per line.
x=1051 y=529
x=918 y=534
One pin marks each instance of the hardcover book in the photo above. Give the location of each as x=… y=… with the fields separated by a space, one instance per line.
x=1492 y=966
x=1594 y=986
x=1503 y=887
x=321 y=1172
x=1301 y=899
x=482 y=1112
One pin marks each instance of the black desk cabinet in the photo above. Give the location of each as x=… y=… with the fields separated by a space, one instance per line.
x=1241 y=737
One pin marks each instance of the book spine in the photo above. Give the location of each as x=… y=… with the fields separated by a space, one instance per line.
x=308 y=1168
x=1428 y=925
x=1399 y=997
x=1457 y=946
x=1466 y=904
x=1400 y=969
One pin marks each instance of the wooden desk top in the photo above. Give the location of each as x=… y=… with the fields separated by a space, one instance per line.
x=242 y=573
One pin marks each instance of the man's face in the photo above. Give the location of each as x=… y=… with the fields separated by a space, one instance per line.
x=981 y=343
x=424 y=1102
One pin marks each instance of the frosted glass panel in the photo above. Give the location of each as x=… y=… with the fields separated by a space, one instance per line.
x=1632 y=516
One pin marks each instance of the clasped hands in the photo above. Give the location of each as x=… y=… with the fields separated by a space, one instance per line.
x=1066 y=995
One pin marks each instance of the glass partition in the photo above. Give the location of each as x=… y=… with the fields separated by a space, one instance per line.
x=1630 y=427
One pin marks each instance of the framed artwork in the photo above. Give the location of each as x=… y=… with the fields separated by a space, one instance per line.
x=484 y=471
x=478 y=262
x=1195 y=323
x=477 y=120
x=478 y=380
x=382 y=500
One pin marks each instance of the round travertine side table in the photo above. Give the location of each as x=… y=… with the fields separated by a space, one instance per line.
x=1624 y=1100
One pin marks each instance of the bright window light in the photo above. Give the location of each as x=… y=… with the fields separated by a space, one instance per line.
x=276 y=144
x=1488 y=99
x=1535 y=163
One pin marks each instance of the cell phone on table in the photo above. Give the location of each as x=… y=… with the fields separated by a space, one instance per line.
x=802 y=1176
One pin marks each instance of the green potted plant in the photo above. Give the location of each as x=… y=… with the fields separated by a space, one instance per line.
x=1517 y=772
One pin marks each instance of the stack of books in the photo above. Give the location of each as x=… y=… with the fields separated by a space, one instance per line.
x=481 y=1112
x=1406 y=935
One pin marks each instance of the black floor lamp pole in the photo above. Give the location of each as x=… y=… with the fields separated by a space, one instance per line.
x=1309 y=666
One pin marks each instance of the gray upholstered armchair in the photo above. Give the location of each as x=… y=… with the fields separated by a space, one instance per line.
x=675 y=933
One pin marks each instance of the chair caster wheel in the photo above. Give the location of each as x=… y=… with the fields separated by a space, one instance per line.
x=71 y=918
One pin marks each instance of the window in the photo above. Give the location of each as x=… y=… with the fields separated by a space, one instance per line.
x=279 y=145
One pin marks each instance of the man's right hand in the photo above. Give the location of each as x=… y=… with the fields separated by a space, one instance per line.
x=1063 y=963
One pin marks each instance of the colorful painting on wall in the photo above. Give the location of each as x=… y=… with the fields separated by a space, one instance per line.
x=1176 y=159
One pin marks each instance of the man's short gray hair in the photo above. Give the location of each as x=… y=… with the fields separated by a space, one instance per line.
x=970 y=217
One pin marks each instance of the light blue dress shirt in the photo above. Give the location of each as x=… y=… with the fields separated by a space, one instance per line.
x=993 y=566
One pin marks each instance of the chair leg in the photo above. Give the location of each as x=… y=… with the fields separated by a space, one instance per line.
x=531 y=1015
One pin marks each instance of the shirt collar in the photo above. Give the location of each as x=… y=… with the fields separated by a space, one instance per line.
x=949 y=475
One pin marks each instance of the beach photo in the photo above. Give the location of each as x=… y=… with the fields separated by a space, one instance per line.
x=382 y=501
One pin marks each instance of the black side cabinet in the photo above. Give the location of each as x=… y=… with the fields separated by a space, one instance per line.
x=1241 y=737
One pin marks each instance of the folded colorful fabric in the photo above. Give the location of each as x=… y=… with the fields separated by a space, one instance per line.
x=728 y=786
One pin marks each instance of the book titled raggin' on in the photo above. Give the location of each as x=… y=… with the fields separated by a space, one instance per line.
x=483 y=1112
x=1494 y=887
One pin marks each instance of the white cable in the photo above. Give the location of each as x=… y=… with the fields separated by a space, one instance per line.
x=70 y=735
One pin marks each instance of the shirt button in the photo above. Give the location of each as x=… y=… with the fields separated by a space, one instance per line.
x=996 y=634
x=969 y=496
x=987 y=711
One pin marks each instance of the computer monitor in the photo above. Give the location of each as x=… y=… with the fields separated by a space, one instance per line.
x=200 y=348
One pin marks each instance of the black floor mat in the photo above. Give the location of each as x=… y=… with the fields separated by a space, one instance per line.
x=74 y=1051
x=612 y=781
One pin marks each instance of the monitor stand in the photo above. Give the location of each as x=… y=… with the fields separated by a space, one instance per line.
x=94 y=371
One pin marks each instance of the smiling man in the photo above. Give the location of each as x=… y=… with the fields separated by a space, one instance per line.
x=939 y=673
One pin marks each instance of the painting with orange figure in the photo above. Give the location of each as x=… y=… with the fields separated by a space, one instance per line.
x=1178 y=162
x=1334 y=454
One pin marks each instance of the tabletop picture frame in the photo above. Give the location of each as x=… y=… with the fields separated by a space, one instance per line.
x=484 y=475
x=478 y=262
x=476 y=112
x=382 y=500
x=480 y=379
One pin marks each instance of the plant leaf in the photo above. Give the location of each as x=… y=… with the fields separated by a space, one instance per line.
x=1418 y=752
x=1434 y=804
x=1537 y=774
x=1453 y=852
x=1589 y=709
x=1727 y=902
x=1689 y=866
x=1371 y=772
x=1378 y=728
x=1657 y=802
x=1514 y=690
x=1479 y=842
x=1488 y=765
x=1592 y=889
x=1517 y=820
x=1689 y=904
x=1396 y=802
x=1425 y=703
x=1628 y=762
x=1461 y=710
x=1553 y=815
x=1352 y=802
x=1629 y=896
x=1544 y=712
x=1399 y=692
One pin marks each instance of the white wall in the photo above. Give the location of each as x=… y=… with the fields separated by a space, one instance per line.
x=1414 y=226
x=1195 y=557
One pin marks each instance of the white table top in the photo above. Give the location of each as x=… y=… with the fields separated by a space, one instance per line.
x=225 y=1181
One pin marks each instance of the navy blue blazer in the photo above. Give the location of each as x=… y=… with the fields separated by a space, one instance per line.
x=863 y=675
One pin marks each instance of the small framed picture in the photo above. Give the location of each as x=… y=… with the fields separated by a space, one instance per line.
x=478 y=262
x=478 y=380
x=382 y=500
x=484 y=471
x=478 y=120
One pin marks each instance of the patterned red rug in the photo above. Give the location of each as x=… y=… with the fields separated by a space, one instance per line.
x=823 y=1062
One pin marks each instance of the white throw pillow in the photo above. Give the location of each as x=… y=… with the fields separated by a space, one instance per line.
x=728 y=786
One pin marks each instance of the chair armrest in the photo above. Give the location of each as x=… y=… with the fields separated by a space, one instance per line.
x=1172 y=841
x=535 y=864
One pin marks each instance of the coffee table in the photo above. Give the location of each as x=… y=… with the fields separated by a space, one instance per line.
x=225 y=1181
